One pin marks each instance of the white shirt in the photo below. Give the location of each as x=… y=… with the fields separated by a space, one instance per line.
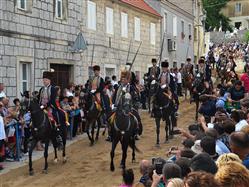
x=68 y=93
x=179 y=78
x=2 y=130
x=114 y=83
x=2 y=94
x=240 y=125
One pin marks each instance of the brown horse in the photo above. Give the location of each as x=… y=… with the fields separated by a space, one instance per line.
x=187 y=84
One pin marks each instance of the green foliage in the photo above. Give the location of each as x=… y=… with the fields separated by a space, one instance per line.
x=214 y=17
x=246 y=37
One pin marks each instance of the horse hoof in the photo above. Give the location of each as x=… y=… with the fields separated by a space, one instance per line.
x=133 y=161
x=122 y=166
x=31 y=173
x=91 y=144
x=171 y=136
x=45 y=171
x=166 y=141
x=64 y=160
x=56 y=160
x=157 y=145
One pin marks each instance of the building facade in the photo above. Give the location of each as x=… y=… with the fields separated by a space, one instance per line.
x=177 y=30
x=238 y=12
x=36 y=35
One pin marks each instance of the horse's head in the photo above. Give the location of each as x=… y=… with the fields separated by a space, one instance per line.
x=154 y=85
x=125 y=103
x=27 y=104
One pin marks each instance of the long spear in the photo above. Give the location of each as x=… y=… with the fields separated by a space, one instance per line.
x=92 y=59
x=135 y=57
x=161 y=51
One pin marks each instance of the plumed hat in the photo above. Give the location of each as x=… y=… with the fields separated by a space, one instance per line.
x=125 y=74
x=48 y=75
x=153 y=60
x=165 y=64
x=96 y=68
x=189 y=58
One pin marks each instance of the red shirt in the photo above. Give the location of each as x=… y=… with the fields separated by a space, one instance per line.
x=245 y=79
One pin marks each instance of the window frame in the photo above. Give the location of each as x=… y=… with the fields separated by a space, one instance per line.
x=56 y=9
x=237 y=7
x=91 y=26
x=174 y=26
x=152 y=33
x=124 y=31
x=137 y=29
x=19 y=5
x=28 y=76
x=109 y=20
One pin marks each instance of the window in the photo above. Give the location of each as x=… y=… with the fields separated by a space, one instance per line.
x=25 y=76
x=182 y=26
x=189 y=31
x=137 y=29
x=58 y=8
x=22 y=4
x=174 y=26
x=238 y=8
x=152 y=33
x=195 y=34
x=124 y=25
x=109 y=20
x=165 y=22
x=91 y=15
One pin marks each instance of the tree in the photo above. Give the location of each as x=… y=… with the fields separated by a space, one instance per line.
x=215 y=18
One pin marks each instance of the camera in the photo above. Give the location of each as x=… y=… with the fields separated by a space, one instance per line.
x=158 y=164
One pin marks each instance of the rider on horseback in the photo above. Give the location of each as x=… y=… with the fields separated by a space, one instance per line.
x=97 y=86
x=47 y=101
x=154 y=71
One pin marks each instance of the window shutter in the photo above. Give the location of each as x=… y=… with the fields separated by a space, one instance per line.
x=91 y=15
x=137 y=29
x=124 y=24
x=175 y=26
x=109 y=20
x=64 y=9
x=153 y=33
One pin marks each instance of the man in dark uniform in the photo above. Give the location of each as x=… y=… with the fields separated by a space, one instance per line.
x=154 y=71
x=47 y=98
x=97 y=86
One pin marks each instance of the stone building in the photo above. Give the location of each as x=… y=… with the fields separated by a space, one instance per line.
x=177 y=29
x=238 y=13
x=36 y=35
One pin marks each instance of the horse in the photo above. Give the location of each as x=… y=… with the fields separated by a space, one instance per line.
x=42 y=130
x=187 y=83
x=93 y=112
x=162 y=109
x=123 y=127
x=198 y=90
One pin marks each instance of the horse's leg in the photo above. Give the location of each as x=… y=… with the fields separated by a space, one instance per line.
x=167 y=126
x=157 y=130
x=125 y=144
x=92 y=131
x=112 y=153
x=64 y=145
x=55 y=154
x=45 y=170
x=31 y=145
x=133 y=143
x=88 y=123
x=98 y=128
x=149 y=103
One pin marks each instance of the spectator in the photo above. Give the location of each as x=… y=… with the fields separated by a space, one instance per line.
x=245 y=78
x=2 y=94
x=70 y=90
x=114 y=80
x=144 y=166
x=208 y=146
x=128 y=178
x=225 y=158
x=170 y=171
x=200 y=179
x=176 y=182
x=179 y=83
x=238 y=116
x=239 y=144
x=222 y=99
x=203 y=162
x=2 y=136
x=184 y=164
x=233 y=174
x=237 y=93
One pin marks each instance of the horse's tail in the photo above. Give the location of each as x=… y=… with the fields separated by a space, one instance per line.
x=135 y=147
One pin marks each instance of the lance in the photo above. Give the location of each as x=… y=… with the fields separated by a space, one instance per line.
x=135 y=56
x=91 y=74
x=161 y=51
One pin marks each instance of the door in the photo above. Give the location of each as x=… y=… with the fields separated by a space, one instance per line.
x=61 y=75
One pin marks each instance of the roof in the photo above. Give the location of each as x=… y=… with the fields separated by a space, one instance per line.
x=141 y=4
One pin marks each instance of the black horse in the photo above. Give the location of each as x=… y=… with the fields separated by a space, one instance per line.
x=93 y=114
x=42 y=130
x=163 y=107
x=123 y=129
